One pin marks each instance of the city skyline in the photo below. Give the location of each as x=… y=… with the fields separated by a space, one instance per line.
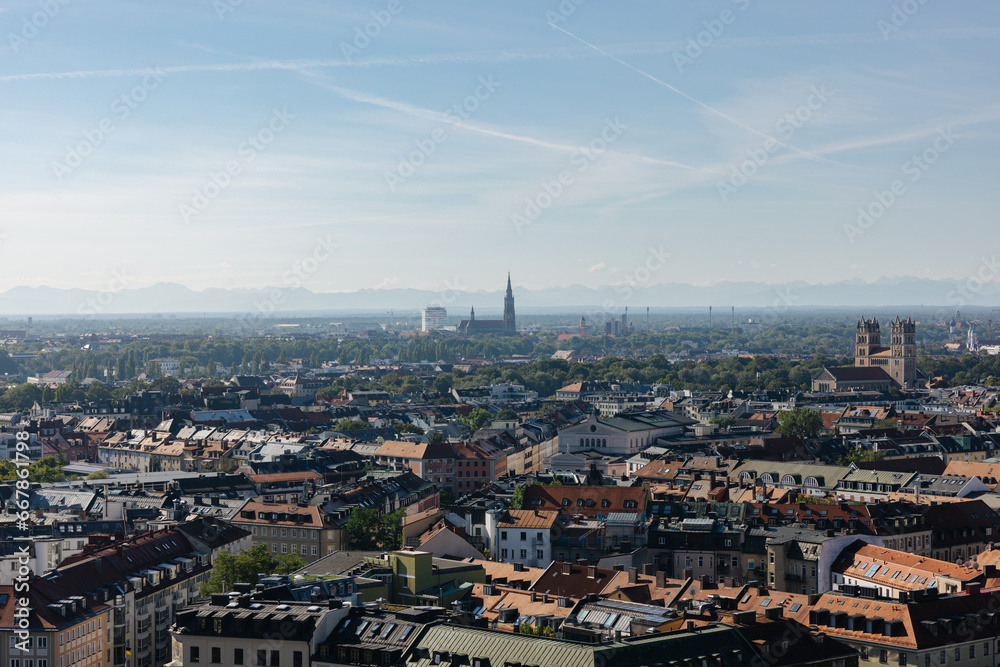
x=235 y=145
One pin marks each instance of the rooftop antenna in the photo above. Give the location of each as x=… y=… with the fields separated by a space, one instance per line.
x=709 y=317
x=734 y=316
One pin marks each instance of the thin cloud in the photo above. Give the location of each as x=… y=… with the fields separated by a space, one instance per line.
x=419 y=112
x=707 y=107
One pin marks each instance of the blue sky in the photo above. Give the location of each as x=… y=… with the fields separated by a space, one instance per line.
x=331 y=138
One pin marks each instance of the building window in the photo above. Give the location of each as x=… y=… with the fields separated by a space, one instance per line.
x=864 y=653
x=275 y=658
x=237 y=656
x=883 y=656
x=972 y=652
x=216 y=654
x=902 y=659
x=958 y=654
x=261 y=657
x=927 y=660
x=770 y=558
x=986 y=647
x=944 y=658
x=296 y=658
x=195 y=654
x=540 y=555
x=524 y=554
x=503 y=534
x=524 y=536
x=43 y=642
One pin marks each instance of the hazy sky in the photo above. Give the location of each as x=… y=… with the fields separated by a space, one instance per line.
x=738 y=137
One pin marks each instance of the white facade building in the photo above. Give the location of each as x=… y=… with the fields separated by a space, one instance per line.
x=433 y=318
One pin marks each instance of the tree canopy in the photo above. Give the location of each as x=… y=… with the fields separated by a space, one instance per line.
x=229 y=569
x=803 y=422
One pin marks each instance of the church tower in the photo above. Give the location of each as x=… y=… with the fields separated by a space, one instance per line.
x=903 y=352
x=509 y=321
x=867 y=341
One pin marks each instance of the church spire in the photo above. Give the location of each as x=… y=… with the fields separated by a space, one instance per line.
x=509 y=320
x=472 y=315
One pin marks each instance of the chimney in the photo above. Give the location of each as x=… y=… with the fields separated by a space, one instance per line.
x=545 y=598
x=567 y=568
x=688 y=573
x=661 y=579
x=974 y=587
x=534 y=596
x=704 y=581
x=591 y=571
x=649 y=569
x=633 y=575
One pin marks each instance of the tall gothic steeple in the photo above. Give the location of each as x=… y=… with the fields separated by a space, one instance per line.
x=509 y=320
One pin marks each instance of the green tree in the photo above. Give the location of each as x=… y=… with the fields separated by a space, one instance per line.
x=803 y=422
x=517 y=500
x=401 y=427
x=21 y=397
x=362 y=529
x=477 y=419
x=46 y=469
x=367 y=531
x=100 y=474
x=447 y=497
x=508 y=415
x=885 y=423
x=47 y=394
x=723 y=422
x=97 y=392
x=351 y=425
x=436 y=437
x=229 y=569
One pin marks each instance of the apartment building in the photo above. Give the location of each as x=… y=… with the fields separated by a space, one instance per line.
x=288 y=529
x=64 y=629
x=238 y=631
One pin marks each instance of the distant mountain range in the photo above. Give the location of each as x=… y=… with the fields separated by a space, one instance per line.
x=175 y=298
